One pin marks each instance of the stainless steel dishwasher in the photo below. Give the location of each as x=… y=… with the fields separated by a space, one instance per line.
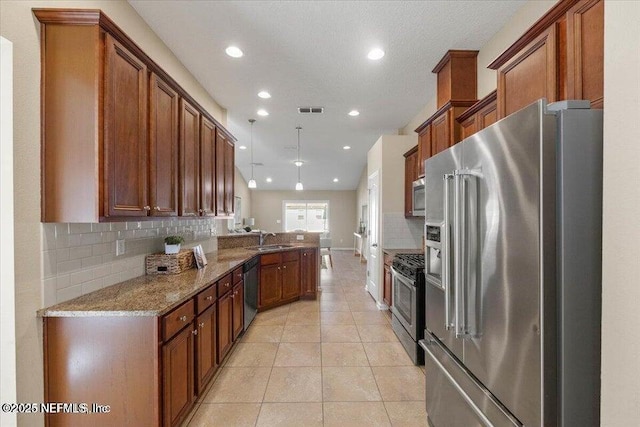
x=250 y=291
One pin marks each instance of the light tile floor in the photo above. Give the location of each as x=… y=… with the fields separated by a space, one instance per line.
x=333 y=362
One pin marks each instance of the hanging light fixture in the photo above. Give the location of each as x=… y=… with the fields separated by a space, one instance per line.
x=252 y=182
x=299 y=184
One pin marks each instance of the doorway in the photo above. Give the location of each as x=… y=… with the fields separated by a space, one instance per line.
x=373 y=234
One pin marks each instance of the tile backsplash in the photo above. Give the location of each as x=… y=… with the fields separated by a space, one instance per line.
x=399 y=232
x=81 y=258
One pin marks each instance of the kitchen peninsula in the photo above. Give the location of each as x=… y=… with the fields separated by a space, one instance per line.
x=149 y=346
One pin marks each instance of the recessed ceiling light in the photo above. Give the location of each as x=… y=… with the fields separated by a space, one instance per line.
x=375 y=54
x=264 y=94
x=346 y=147
x=354 y=113
x=269 y=180
x=335 y=179
x=298 y=163
x=263 y=113
x=243 y=147
x=234 y=52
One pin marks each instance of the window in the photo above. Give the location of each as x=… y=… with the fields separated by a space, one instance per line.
x=306 y=215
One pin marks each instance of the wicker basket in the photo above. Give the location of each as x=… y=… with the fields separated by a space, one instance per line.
x=170 y=264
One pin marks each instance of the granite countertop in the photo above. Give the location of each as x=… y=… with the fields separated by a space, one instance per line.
x=394 y=252
x=156 y=295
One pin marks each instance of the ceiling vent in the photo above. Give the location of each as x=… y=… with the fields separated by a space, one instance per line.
x=310 y=110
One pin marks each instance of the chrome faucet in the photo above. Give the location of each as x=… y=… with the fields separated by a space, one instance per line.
x=263 y=235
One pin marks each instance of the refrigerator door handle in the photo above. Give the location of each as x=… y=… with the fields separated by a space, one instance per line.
x=446 y=254
x=458 y=253
x=425 y=344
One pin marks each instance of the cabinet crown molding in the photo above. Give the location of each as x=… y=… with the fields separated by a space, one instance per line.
x=445 y=107
x=64 y=16
x=453 y=53
x=491 y=97
x=540 y=26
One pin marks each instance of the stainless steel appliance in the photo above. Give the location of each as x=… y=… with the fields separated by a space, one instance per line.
x=250 y=291
x=418 y=197
x=513 y=329
x=407 y=306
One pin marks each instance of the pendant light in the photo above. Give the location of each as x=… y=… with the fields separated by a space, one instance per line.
x=252 y=182
x=299 y=184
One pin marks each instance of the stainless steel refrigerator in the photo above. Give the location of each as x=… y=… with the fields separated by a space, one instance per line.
x=513 y=291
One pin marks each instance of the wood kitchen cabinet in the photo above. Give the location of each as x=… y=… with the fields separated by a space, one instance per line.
x=290 y=275
x=309 y=272
x=207 y=167
x=207 y=337
x=225 y=175
x=410 y=175
x=480 y=115
x=456 y=91
x=387 y=284
x=559 y=57
x=189 y=159
x=225 y=316
x=125 y=138
x=163 y=147
x=128 y=145
x=238 y=310
x=279 y=279
x=424 y=146
x=443 y=129
x=178 y=376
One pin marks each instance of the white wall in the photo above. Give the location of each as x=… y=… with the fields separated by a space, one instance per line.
x=7 y=292
x=267 y=210
x=621 y=208
x=18 y=24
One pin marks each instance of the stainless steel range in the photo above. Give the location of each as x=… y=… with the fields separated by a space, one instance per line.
x=408 y=303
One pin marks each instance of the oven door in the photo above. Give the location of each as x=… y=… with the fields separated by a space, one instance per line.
x=419 y=202
x=404 y=305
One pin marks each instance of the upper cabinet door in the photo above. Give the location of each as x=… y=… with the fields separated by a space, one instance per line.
x=585 y=52
x=189 y=159
x=163 y=148
x=221 y=143
x=530 y=75
x=229 y=177
x=125 y=133
x=424 y=148
x=441 y=133
x=207 y=168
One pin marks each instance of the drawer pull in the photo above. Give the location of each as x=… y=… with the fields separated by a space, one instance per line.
x=209 y=298
x=201 y=325
x=194 y=332
x=183 y=318
x=226 y=285
x=284 y=266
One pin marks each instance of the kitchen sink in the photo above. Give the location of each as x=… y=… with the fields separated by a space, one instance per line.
x=268 y=247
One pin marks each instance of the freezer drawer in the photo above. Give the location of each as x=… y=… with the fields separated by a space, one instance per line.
x=453 y=397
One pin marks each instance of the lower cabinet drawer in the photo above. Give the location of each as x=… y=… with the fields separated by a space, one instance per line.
x=206 y=298
x=237 y=275
x=177 y=319
x=225 y=284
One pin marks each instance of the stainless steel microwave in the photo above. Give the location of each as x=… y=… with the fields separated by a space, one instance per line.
x=419 y=202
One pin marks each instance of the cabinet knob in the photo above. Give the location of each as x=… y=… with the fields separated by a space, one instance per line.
x=200 y=210
x=201 y=325
x=157 y=208
x=209 y=298
x=194 y=332
x=147 y=208
x=183 y=318
x=278 y=268
x=233 y=295
x=227 y=284
x=304 y=254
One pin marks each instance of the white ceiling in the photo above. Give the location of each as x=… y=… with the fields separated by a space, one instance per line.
x=314 y=54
